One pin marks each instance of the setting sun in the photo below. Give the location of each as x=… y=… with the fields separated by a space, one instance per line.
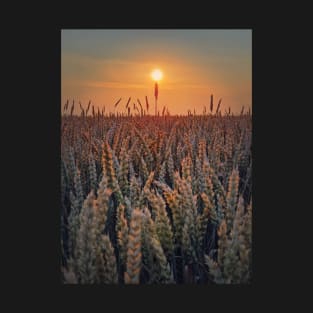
x=157 y=75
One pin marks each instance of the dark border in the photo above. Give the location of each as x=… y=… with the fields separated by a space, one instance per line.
x=39 y=254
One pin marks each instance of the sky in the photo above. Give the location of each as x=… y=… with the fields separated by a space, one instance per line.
x=108 y=64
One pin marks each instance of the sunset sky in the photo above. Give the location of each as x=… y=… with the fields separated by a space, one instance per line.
x=104 y=65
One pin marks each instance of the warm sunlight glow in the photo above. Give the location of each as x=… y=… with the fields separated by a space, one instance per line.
x=156 y=75
x=177 y=68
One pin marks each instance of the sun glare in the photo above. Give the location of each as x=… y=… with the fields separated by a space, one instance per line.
x=156 y=75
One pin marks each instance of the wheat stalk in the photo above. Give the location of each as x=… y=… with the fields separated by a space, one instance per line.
x=134 y=256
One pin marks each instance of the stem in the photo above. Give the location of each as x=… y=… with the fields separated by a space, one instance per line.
x=156 y=91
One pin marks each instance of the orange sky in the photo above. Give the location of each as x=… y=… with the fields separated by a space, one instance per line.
x=104 y=65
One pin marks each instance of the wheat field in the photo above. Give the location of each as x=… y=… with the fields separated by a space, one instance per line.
x=156 y=199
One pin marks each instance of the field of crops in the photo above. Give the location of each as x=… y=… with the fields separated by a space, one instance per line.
x=156 y=200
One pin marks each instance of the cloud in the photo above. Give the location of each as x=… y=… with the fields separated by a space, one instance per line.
x=102 y=84
x=113 y=85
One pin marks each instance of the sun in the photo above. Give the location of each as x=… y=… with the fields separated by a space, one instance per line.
x=156 y=75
